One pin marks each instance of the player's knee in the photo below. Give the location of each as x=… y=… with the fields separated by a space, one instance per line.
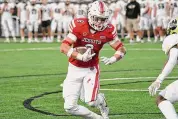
x=159 y=99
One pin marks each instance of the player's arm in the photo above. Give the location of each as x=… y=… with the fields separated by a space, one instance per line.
x=51 y=13
x=168 y=7
x=118 y=46
x=28 y=16
x=18 y=12
x=67 y=49
x=73 y=12
x=172 y=61
x=12 y=9
x=171 y=10
x=1 y=9
x=146 y=9
x=39 y=15
x=66 y=46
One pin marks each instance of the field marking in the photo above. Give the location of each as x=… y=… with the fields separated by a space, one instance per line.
x=114 y=79
x=126 y=90
x=57 y=48
x=29 y=49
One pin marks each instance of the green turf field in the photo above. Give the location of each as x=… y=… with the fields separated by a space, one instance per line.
x=31 y=74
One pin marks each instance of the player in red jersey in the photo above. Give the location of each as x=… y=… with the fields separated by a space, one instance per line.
x=82 y=80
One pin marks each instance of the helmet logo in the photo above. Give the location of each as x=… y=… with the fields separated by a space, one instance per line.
x=101 y=4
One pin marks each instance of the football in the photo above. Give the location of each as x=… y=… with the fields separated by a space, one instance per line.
x=82 y=50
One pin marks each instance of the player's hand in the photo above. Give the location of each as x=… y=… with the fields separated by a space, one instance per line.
x=108 y=61
x=87 y=55
x=154 y=87
x=39 y=21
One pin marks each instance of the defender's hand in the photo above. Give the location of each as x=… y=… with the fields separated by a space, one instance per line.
x=154 y=87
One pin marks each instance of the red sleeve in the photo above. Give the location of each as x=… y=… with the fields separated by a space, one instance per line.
x=72 y=27
x=75 y=26
x=112 y=32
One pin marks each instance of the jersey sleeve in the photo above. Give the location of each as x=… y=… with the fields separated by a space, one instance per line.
x=75 y=28
x=114 y=38
x=112 y=35
x=72 y=30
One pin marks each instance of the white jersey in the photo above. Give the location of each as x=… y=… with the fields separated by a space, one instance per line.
x=57 y=10
x=112 y=6
x=23 y=12
x=46 y=12
x=174 y=6
x=122 y=6
x=82 y=11
x=144 y=4
x=161 y=7
x=33 y=12
x=68 y=11
x=7 y=10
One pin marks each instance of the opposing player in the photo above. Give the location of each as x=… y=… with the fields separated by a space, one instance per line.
x=6 y=20
x=81 y=11
x=174 y=8
x=57 y=19
x=145 y=18
x=68 y=14
x=46 y=20
x=169 y=95
x=33 y=20
x=161 y=10
x=121 y=9
x=22 y=15
x=83 y=72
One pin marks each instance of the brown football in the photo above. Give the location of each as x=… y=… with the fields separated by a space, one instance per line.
x=82 y=50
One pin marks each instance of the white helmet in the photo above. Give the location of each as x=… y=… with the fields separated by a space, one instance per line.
x=169 y=42
x=98 y=15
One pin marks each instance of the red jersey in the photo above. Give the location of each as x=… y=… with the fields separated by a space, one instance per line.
x=81 y=29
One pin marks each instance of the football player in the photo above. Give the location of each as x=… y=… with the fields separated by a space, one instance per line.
x=57 y=20
x=161 y=11
x=68 y=14
x=22 y=15
x=46 y=20
x=145 y=18
x=82 y=79
x=153 y=20
x=174 y=9
x=33 y=20
x=121 y=7
x=82 y=11
x=169 y=95
x=6 y=20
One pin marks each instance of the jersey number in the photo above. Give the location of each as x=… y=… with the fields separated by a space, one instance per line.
x=34 y=11
x=161 y=6
x=57 y=10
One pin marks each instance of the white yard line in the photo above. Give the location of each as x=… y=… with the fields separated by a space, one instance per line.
x=114 y=79
x=140 y=49
x=29 y=49
x=125 y=90
x=57 y=48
